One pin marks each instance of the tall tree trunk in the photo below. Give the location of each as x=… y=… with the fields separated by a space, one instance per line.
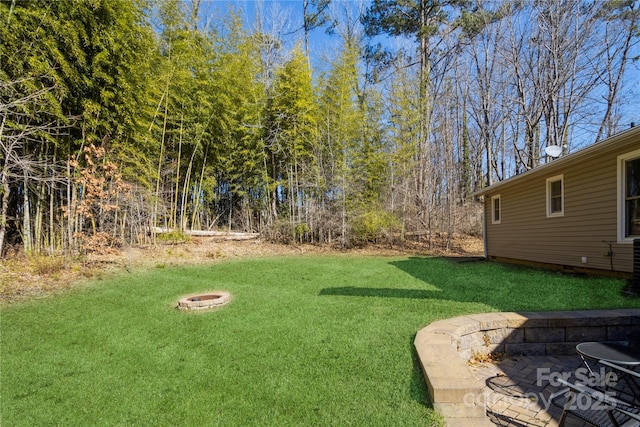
x=70 y=208
x=174 y=208
x=185 y=190
x=38 y=229
x=154 y=215
x=27 y=239
x=52 y=193
x=615 y=76
x=4 y=206
x=6 y=190
x=195 y=219
x=425 y=172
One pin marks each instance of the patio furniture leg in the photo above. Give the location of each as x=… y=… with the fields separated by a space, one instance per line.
x=563 y=419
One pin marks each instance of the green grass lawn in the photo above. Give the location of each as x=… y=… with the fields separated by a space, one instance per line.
x=322 y=341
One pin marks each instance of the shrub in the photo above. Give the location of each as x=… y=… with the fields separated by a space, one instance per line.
x=173 y=237
x=374 y=225
x=100 y=242
x=300 y=231
x=45 y=265
x=279 y=232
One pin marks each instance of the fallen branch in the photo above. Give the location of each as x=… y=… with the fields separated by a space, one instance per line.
x=226 y=235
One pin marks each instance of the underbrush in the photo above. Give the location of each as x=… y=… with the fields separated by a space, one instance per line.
x=23 y=277
x=173 y=237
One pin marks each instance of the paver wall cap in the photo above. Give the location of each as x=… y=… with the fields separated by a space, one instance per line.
x=444 y=347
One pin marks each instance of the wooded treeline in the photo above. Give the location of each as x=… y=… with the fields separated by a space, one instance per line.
x=119 y=116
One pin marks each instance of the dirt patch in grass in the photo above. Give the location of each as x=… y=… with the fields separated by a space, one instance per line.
x=24 y=277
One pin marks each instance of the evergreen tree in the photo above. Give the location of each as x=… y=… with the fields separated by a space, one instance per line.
x=341 y=130
x=292 y=131
x=427 y=21
x=237 y=127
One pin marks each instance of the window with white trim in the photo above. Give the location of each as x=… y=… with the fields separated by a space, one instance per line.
x=555 y=196
x=496 y=210
x=629 y=196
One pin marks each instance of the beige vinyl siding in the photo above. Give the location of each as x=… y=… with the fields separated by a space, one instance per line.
x=590 y=215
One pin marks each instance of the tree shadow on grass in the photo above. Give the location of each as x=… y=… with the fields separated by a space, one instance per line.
x=428 y=270
x=353 y=291
x=503 y=287
x=447 y=279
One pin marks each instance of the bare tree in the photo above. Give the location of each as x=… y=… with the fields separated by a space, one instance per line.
x=24 y=122
x=565 y=42
x=619 y=34
x=549 y=51
x=487 y=85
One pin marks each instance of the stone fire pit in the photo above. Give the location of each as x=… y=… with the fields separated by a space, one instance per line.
x=204 y=301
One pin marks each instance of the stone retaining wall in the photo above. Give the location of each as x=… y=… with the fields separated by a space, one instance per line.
x=445 y=346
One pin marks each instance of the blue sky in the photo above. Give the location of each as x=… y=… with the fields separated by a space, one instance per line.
x=285 y=17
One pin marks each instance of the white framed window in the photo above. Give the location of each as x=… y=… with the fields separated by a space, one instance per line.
x=496 y=209
x=629 y=197
x=555 y=196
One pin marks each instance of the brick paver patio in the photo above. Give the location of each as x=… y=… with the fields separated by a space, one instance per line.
x=514 y=391
x=517 y=394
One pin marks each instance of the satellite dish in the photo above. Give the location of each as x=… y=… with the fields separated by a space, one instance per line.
x=553 y=150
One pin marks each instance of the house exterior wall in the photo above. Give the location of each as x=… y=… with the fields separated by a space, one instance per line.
x=526 y=232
